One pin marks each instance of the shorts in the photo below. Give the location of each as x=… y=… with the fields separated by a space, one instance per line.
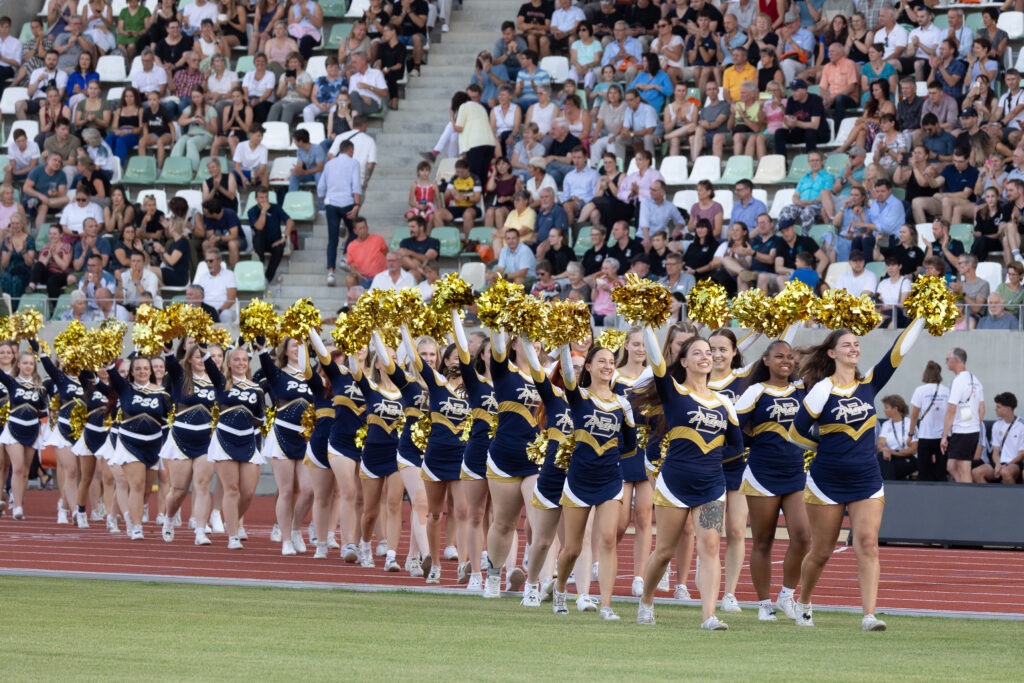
x=962 y=446
x=457 y=211
x=709 y=136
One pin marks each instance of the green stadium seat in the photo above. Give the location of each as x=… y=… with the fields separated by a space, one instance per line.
x=963 y=232
x=202 y=174
x=176 y=171
x=339 y=32
x=798 y=169
x=62 y=305
x=737 y=168
x=249 y=276
x=299 y=205
x=33 y=301
x=480 y=234
x=450 y=238
x=817 y=231
x=397 y=235
x=836 y=163
x=140 y=171
x=878 y=268
x=334 y=9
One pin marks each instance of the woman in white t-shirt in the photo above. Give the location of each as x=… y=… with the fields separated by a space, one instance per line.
x=892 y=292
x=220 y=83
x=250 y=160
x=258 y=86
x=897 y=450
x=927 y=412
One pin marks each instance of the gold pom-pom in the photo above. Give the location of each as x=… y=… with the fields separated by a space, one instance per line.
x=808 y=459
x=79 y=416
x=467 y=430
x=537 y=449
x=360 y=439
x=450 y=292
x=258 y=319
x=54 y=409
x=563 y=322
x=73 y=346
x=5 y=411
x=839 y=309
x=301 y=317
x=147 y=341
x=643 y=435
x=643 y=302
x=563 y=456
x=268 y=421
x=170 y=417
x=351 y=332
x=611 y=339
x=494 y=305
x=107 y=342
x=214 y=417
x=932 y=301
x=5 y=329
x=707 y=304
x=420 y=433
x=752 y=309
x=26 y=324
x=308 y=421
x=793 y=303
x=493 y=428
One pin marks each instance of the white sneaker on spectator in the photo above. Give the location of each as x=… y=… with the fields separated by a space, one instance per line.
x=331 y=280
x=444 y=28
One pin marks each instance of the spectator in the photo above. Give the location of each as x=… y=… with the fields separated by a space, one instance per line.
x=418 y=248
x=366 y=253
x=558 y=252
x=787 y=245
x=585 y=54
x=309 y=163
x=135 y=281
x=236 y=120
x=271 y=231
x=10 y=53
x=746 y=208
x=712 y=124
x=804 y=120
x=23 y=157
x=624 y=53
x=957 y=182
x=732 y=257
x=539 y=179
x=74 y=215
x=1007 y=445
x=700 y=253
x=71 y=44
x=530 y=78
x=606 y=206
x=87 y=245
x=367 y=86
x=998 y=317
x=411 y=17
x=523 y=218
x=701 y=49
x=964 y=416
x=893 y=36
x=877 y=69
x=962 y=34
x=947 y=68
x=172 y=52
x=947 y=249
x=578 y=185
x=8 y=206
x=391 y=59
x=546 y=288
x=907 y=251
x=939 y=143
x=219 y=228
x=880 y=222
x=476 y=139
x=598 y=251
x=892 y=292
x=39 y=81
x=501 y=187
x=219 y=288
x=1011 y=290
x=127 y=127
x=52 y=270
x=926 y=416
x=678 y=281
x=813 y=196
x=185 y=81
x=623 y=247
x=364 y=148
x=157 y=128
x=1015 y=216
x=305 y=23
x=534 y=21
x=942 y=106
x=194 y=296
x=796 y=46
x=550 y=215
x=736 y=74
x=974 y=289
x=99 y=153
x=658 y=215
x=150 y=77
x=507 y=49
x=559 y=151
x=1011 y=106
x=516 y=263
x=45 y=190
x=858 y=280
x=95 y=282
x=293 y=91
x=176 y=256
x=250 y=160
x=922 y=43
x=747 y=123
x=506 y=117
x=220 y=185
x=897 y=450
x=431 y=274
x=606 y=281
x=463 y=194
x=762 y=266
x=195 y=13
x=991 y=224
x=258 y=86
x=576 y=289
x=79 y=309
x=679 y=120
x=324 y=92
x=653 y=84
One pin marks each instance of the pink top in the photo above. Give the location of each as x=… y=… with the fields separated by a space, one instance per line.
x=643 y=183
x=773 y=114
x=603 y=304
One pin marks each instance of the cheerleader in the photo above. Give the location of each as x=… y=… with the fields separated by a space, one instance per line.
x=449 y=411
x=144 y=409
x=555 y=418
x=698 y=425
x=233 y=447
x=8 y=353
x=28 y=401
x=94 y=435
x=511 y=476
x=288 y=381
x=69 y=391
x=837 y=418
x=185 y=451
x=335 y=459
x=774 y=476
x=379 y=462
x=115 y=494
x=637 y=493
x=476 y=378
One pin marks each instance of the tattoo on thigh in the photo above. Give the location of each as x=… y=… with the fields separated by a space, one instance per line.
x=711 y=515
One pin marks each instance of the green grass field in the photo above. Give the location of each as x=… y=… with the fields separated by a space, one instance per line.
x=97 y=630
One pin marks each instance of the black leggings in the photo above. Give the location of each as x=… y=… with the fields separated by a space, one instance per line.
x=54 y=282
x=262 y=248
x=926 y=469
x=479 y=160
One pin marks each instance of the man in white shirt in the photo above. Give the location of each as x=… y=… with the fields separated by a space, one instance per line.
x=219 y=288
x=922 y=43
x=1010 y=111
x=136 y=280
x=38 y=83
x=858 y=280
x=893 y=36
x=394 y=277
x=965 y=414
x=74 y=215
x=963 y=34
x=1007 y=445
x=364 y=147
x=193 y=15
x=108 y=308
x=250 y=160
x=366 y=86
x=22 y=157
x=10 y=53
x=564 y=22
x=927 y=414
x=149 y=77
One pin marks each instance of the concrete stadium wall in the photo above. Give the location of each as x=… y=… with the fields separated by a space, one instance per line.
x=20 y=12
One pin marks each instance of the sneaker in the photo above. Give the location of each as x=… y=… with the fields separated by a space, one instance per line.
x=571 y=581
x=426 y=563
x=321 y=552
x=313 y=540
x=414 y=568
x=463 y=573
x=176 y=520
x=300 y=546
x=242 y=535
x=82 y=520
x=217 y=524
x=444 y=28
x=430 y=156
x=787 y=605
x=145 y=513
x=546 y=590
x=18 y=513
x=382 y=549
x=531 y=596
x=414 y=72
x=62 y=516
x=645 y=614
x=593 y=572
x=681 y=592
x=366 y=555
x=804 y=614
x=331 y=280
x=275 y=534
x=766 y=612
x=390 y=563
x=136 y=533
x=167 y=532
x=514 y=579
x=451 y=553
x=160 y=517
x=476 y=583
x=558 y=604
x=729 y=603
x=608 y=614
x=112 y=525
x=713 y=624
x=638 y=586
x=585 y=604
x=485 y=560
x=234 y=543
x=492 y=587
x=435 y=574
x=98 y=514
x=349 y=553
x=332 y=541
x=871 y=623
x=665 y=584
x=203 y=539
x=287 y=548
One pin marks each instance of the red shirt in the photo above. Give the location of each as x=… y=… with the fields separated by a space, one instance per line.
x=368 y=257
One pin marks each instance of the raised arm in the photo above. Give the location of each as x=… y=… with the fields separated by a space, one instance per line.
x=568 y=373
x=657 y=361
x=886 y=366
x=213 y=372
x=536 y=370
x=461 y=341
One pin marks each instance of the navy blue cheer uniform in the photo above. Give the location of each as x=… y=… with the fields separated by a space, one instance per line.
x=143 y=419
x=190 y=434
x=517 y=426
x=97 y=403
x=291 y=396
x=71 y=393
x=483 y=407
x=323 y=405
x=415 y=406
x=384 y=416
x=28 y=402
x=547 y=493
x=240 y=412
x=734 y=458
x=349 y=412
x=775 y=466
x=449 y=410
x=633 y=470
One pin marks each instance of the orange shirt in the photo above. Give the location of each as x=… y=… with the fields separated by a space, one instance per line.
x=368 y=257
x=836 y=77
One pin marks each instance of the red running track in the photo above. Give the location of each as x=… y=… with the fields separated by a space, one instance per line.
x=913 y=579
